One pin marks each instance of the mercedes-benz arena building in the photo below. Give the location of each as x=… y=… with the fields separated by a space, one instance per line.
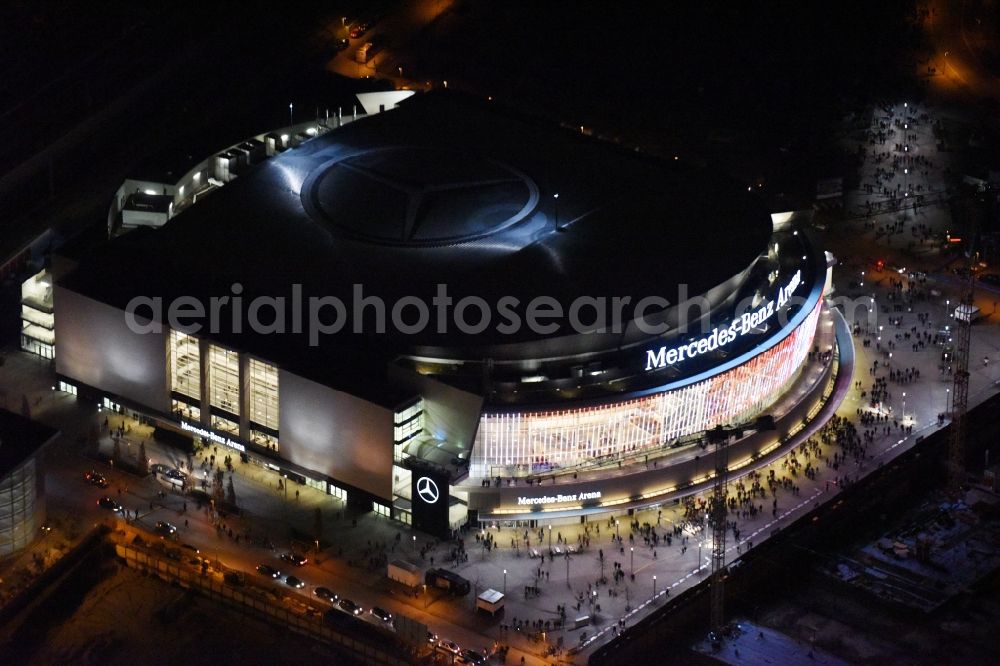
x=535 y=324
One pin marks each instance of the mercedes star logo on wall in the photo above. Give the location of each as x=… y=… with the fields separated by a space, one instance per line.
x=427 y=489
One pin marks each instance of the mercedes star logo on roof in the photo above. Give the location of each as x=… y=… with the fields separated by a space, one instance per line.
x=427 y=489
x=415 y=196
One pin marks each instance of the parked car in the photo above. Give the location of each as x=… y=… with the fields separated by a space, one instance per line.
x=292 y=581
x=175 y=474
x=471 y=657
x=358 y=30
x=108 y=503
x=349 y=606
x=326 y=594
x=295 y=558
x=450 y=646
x=381 y=614
x=270 y=572
x=165 y=529
x=96 y=479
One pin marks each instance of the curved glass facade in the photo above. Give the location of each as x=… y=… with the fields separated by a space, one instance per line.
x=19 y=517
x=512 y=444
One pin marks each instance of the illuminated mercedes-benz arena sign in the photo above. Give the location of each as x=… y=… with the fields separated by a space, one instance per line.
x=440 y=307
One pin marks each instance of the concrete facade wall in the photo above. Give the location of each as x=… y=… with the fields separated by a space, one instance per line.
x=336 y=434
x=95 y=347
x=450 y=414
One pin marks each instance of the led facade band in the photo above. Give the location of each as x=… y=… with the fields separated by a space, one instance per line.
x=539 y=441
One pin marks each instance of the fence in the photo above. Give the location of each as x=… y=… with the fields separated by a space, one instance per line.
x=256 y=601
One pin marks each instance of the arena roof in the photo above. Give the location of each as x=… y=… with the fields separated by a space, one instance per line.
x=445 y=189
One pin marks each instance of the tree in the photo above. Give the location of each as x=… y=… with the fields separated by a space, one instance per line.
x=218 y=489
x=142 y=464
x=231 y=496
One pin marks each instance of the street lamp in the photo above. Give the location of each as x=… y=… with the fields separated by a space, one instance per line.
x=617 y=531
x=904 y=405
x=654 y=586
x=291 y=108
x=550 y=537
x=414 y=543
x=505 y=581
x=632 y=557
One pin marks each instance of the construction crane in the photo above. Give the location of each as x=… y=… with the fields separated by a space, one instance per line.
x=960 y=387
x=718 y=512
x=962 y=338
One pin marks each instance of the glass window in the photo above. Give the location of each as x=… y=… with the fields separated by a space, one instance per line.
x=186 y=411
x=264 y=439
x=264 y=394
x=409 y=422
x=225 y=425
x=185 y=365
x=224 y=379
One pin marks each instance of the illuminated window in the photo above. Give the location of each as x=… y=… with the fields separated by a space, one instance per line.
x=264 y=439
x=408 y=422
x=337 y=492
x=264 y=394
x=185 y=365
x=382 y=510
x=225 y=425
x=224 y=379
x=186 y=411
x=68 y=388
x=533 y=442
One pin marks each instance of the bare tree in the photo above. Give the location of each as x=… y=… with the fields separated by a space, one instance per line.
x=218 y=489
x=142 y=463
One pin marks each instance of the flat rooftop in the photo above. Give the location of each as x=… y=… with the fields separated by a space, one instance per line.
x=20 y=438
